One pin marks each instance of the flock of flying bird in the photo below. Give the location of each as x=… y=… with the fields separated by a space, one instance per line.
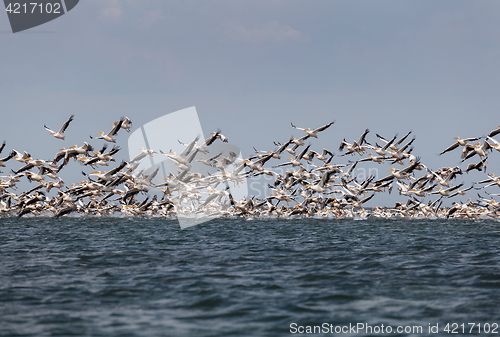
x=311 y=184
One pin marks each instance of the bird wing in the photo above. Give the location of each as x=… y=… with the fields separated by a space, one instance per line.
x=49 y=130
x=468 y=154
x=66 y=124
x=343 y=144
x=104 y=147
x=449 y=148
x=223 y=138
x=24 y=168
x=117 y=169
x=412 y=167
x=471 y=139
x=428 y=189
x=114 y=150
x=59 y=156
x=301 y=139
x=9 y=157
x=389 y=143
x=406 y=145
x=91 y=161
x=466 y=150
x=362 y=138
x=454 y=188
x=324 y=179
x=326 y=176
x=190 y=146
x=326 y=151
x=352 y=168
x=214 y=157
x=366 y=199
x=494 y=133
x=381 y=138
x=212 y=139
x=491 y=140
x=139 y=157
x=263 y=160
x=283 y=164
x=116 y=127
x=402 y=139
x=283 y=147
x=467 y=189
x=299 y=157
x=293 y=126
x=324 y=127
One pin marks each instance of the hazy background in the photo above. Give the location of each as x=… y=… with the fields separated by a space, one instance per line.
x=252 y=67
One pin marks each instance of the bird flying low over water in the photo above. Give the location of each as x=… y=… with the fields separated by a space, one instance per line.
x=480 y=150
x=214 y=136
x=460 y=142
x=355 y=146
x=6 y=159
x=312 y=185
x=400 y=174
x=479 y=166
x=125 y=125
x=394 y=146
x=60 y=133
x=313 y=133
x=109 y=136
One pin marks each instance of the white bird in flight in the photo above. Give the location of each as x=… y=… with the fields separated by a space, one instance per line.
x=60 y=133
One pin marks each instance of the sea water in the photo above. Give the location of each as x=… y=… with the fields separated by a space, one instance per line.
x=235 y=277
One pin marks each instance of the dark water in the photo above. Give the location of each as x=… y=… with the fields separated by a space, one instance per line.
x=131 y=277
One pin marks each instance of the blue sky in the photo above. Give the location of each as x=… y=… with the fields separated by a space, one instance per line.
x=252 y=67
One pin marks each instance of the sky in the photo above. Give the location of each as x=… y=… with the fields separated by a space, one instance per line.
x=253 y=67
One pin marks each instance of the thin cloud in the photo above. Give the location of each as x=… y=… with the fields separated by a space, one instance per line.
x=150 y=18
x=112 y=10
x=271 y=32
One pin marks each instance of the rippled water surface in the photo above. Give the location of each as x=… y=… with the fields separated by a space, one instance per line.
x=231 y=277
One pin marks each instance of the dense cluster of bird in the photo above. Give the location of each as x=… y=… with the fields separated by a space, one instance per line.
x=311 y=185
